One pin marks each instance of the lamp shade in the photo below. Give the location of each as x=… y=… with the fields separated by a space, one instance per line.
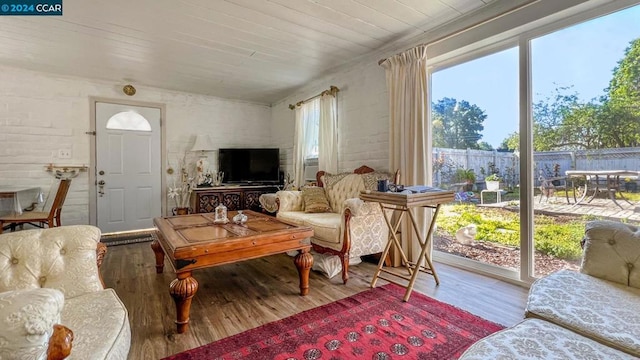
x=203 y=143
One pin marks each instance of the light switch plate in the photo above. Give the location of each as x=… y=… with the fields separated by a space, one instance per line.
x=64 y=154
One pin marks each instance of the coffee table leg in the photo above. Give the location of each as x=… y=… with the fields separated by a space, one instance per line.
x=182 y=290
x=303 y=261
x=157 y=250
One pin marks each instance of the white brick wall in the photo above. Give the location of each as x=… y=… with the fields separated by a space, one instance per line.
x=363 y=116
x=41 y=113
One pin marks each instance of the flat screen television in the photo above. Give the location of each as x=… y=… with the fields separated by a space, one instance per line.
x=250 y=166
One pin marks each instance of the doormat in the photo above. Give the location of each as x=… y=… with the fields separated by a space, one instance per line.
x=128 y=238
x=374 y=324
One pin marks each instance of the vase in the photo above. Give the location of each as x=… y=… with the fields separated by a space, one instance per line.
x=240 y=218
x=180 y=211
x=493 y=185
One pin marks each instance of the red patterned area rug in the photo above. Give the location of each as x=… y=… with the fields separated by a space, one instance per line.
x=374 y=324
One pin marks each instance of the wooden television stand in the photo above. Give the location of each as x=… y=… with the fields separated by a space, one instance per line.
x=234 y=197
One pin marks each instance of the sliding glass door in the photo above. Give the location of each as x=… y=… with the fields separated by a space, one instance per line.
x=474 y=111
x=536 y=140
x=586 y=120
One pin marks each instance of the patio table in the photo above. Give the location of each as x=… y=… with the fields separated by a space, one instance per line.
x=600 y=180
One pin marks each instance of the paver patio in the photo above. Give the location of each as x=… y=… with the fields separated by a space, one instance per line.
x=604 y=208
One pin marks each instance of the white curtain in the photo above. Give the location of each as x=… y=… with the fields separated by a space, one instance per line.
x=298 y=149
x=311 y=118
x=328 y=133
x=409 y=149
x=306 y=138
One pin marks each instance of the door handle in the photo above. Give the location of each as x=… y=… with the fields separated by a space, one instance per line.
x=101 y=184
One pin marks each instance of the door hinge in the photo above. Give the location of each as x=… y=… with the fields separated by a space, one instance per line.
x=90 y=133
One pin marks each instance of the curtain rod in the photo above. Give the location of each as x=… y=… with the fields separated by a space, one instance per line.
x=332 y=90
x=472 y=26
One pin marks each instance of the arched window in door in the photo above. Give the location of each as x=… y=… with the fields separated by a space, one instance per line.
x=128 y=120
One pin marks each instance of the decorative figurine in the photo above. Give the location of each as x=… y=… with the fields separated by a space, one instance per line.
x=240 y=218
x=220 y=215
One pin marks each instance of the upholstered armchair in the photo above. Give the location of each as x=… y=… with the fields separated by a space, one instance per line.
x=51 y=276
x=352 y=228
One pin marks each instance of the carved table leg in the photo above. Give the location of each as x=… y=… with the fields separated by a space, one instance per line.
x=157 y=250
x=182 y=290
x=303 y=261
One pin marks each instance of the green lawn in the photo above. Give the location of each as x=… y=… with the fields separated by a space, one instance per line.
x=558 y=236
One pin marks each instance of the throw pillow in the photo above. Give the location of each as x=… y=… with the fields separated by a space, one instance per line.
x=371 y=179
x=315 y=200
x=328 y=180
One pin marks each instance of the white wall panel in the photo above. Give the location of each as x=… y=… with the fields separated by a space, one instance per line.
x=41 y=113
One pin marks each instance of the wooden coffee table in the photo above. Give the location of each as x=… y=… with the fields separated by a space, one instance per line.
x=194 y=242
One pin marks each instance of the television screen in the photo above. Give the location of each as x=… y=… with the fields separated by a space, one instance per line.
x=260 y=166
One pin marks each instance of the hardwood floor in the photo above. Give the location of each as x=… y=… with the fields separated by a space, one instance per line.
x=237 y=297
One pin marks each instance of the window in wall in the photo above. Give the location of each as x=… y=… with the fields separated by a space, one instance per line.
x=311 y=118
x=128 y=120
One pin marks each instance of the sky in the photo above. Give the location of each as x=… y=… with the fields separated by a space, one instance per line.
x=582 y=56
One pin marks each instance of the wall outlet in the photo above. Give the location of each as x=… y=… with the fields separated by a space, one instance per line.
x=64 y=154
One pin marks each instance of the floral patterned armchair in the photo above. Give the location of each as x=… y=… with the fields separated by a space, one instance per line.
x=352 y=228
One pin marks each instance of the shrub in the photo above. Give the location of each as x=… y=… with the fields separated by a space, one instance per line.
x=463 y=175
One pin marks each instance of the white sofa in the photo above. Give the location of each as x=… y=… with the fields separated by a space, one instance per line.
x=52 y=276
x=353 y=228
x=591 y=314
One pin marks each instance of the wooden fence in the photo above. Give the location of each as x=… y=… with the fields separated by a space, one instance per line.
x=546 y=164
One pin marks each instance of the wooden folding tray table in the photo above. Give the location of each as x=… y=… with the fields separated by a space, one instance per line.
x=406 y=204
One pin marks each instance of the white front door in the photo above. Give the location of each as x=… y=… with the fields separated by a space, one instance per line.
x=128 y=167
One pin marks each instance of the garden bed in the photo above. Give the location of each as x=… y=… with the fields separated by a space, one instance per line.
x=497 y=237
x=503 y=256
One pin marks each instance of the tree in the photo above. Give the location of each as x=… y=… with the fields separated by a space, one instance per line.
x=624 y=87
x=621 y=106
x=483 y=145
x=510 y=143
x=613 y=121
x=456 y=124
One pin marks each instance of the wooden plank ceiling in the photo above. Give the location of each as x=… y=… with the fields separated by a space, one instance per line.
x=253 y=50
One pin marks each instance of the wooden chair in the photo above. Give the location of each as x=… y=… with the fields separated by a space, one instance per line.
x=40 y=218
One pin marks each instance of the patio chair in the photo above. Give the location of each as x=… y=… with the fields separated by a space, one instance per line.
x=40 y=218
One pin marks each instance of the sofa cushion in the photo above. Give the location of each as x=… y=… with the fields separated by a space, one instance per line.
x=538 y=339
x=326 y=227
x=291 y=217
x=62 y=258
x=315 y=200
x=100 y=325
x=599 y=309
x=612 y=252
x=26 y=322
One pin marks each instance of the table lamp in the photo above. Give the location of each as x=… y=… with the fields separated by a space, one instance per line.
x=202 y=145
